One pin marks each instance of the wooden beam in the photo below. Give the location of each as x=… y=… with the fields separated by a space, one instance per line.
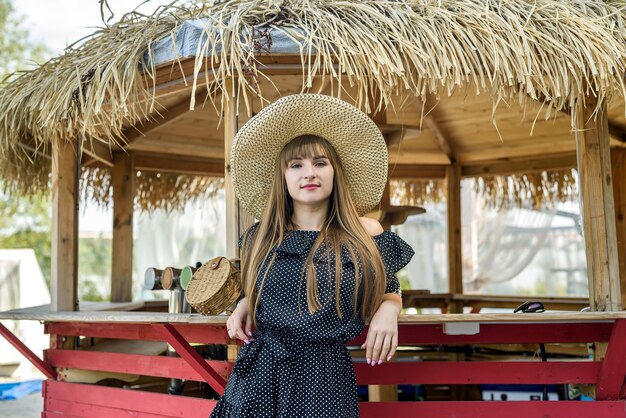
x=528 y=165
x=442 y=140
x=122 y=179
x=597 y=205
x=618 y=168
x=65 y=195
x=417 y=171
x=455 y=266
x=96 y=151
x=617 y=133
x=182 y=165
x=170 y=115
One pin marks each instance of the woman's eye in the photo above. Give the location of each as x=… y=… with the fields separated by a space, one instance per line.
x=295 y=165
x=321 y=164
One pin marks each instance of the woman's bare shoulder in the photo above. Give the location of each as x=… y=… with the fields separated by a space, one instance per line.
x=372 y=226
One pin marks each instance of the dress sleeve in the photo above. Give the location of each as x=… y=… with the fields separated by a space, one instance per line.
x=396 y=254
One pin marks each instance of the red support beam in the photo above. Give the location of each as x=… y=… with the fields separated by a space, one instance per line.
x=26 y=352
x=480 y=372
x=127 y=402
x=611 y=380
x=491 y=409
x=530 y=333
x=410 y=334
x=206 y=333
x=178 y=342
x=159 y=366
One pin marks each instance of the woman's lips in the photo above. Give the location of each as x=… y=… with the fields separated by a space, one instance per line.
x=310 y=186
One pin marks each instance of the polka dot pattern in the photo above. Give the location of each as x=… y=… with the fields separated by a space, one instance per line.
x=298 y=365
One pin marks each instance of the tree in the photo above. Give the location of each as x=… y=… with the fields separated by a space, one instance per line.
x=24 y=222
x=17 y=52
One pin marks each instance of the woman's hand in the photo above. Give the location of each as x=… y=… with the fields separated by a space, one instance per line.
x=382 y=335
x=239 y=323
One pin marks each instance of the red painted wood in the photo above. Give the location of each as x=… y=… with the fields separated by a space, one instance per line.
x=131 y=400
x=613 y=369
x=413 y=334
x=483 y=372
x=173 y=337
x=495 y=409
x=26 y=352
x=194 y=333
x=83 y=410
x=160 y=366
x=409 y=333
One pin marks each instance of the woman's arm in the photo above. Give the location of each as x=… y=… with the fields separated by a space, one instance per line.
x=382 y=335
x=239 y=323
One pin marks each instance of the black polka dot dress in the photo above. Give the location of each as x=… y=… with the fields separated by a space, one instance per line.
x=297 y=365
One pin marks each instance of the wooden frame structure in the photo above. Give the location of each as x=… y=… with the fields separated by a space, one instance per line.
x=455 y=138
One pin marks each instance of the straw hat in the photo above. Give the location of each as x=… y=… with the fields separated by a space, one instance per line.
x=356 y=138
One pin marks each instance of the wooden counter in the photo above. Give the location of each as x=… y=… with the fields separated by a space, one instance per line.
x=111 y=312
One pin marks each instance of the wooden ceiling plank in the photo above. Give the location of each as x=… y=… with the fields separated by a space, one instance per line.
x=168 y=116
x=527 y=165
x=163 y=163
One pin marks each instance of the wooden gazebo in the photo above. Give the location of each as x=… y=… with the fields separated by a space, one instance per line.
x=458 y=88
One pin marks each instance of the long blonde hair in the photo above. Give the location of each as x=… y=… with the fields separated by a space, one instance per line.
x=342 y=228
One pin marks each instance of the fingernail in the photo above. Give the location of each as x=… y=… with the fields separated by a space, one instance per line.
x=373 y=363
x=368 y=360
x=388 y=358
x=246 y=341
x=380 y=361
x=249 y=333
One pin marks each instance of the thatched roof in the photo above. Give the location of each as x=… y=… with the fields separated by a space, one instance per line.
x=545 y=50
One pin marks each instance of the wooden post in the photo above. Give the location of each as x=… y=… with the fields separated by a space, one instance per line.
x=618 y=168
x=455 y=267
x=65 y=173
x=237 y=219
x=122 y=179
x=597 y=206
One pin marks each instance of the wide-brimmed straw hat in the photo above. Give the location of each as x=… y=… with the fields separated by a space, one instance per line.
x=354 y=136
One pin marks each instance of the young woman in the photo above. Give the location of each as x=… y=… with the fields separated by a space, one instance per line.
x=308 y=166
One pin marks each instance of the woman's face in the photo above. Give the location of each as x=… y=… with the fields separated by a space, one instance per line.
x=309 y=180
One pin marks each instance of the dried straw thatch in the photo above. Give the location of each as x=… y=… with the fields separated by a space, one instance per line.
x=549 y=50
x=537 y=190
x=166 y=191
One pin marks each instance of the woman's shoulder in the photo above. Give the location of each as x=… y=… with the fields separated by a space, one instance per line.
x=372 y=226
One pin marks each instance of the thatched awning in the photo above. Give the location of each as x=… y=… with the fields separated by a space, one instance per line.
x=546 y=50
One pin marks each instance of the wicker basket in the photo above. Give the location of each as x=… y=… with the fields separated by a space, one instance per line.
x=214 y=287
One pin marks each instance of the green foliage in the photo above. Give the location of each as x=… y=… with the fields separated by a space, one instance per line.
x=95 y=256
x=17 y=52
x=25 y=223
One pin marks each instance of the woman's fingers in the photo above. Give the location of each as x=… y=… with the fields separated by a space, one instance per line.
x=380 y=346
x=394 y=346
x=248 y=327
x=378 y=343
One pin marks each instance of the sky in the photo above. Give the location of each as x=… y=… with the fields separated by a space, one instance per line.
x=59 y=23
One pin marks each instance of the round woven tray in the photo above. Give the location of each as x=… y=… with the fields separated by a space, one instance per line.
x=214 y=287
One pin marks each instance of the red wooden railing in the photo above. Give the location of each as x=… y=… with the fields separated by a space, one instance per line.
x=91 y=400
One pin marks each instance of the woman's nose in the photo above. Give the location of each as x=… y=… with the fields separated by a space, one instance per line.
x=309 y=171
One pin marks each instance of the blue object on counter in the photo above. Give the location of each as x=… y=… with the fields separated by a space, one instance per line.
x=17 y=390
